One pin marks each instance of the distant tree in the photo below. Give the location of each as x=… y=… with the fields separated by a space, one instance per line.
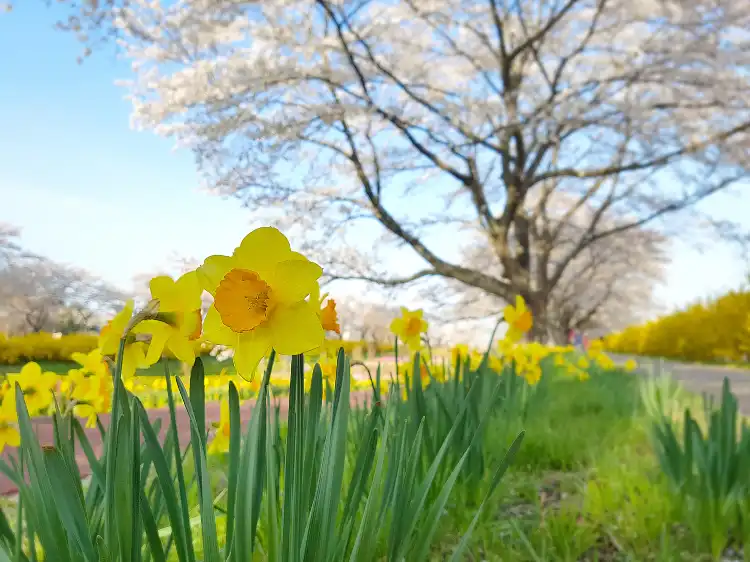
x=38 y=294
x=607 y=287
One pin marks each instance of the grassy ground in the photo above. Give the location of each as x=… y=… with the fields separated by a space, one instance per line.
x=584 y=486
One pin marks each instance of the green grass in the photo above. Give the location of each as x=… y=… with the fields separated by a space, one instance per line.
x=584 y=486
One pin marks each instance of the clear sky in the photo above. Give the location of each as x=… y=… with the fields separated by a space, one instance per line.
x=89 y=191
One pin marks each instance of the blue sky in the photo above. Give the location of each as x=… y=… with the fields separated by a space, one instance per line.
x=89 y=191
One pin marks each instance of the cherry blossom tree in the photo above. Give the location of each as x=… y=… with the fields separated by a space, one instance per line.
x=430 y=120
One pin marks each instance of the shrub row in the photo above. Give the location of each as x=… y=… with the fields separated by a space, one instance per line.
x=717 y=330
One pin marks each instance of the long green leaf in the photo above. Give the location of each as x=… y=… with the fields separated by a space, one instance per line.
x=234 y=466
x=166 y=484
x=205 y=497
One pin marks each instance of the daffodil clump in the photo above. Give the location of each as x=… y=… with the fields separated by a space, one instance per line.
x=266 y=296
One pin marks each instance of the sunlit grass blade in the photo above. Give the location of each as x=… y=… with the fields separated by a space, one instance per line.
x=40 y=506
x=293 y=515
x=205 y=496
x=235 y=443
x=324 y=512
x=155 y=546
x=367 y=528
x=166 y=483
x=250 y=480
x=181 y=487
x=68 y=502
x=496 y=479
x=198 y=397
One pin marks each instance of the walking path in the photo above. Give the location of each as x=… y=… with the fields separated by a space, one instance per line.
x=699 y=378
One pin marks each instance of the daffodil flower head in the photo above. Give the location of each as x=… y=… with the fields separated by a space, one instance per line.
x=459 y=353
x=220 y=442
x=9 y=434
x=178 y=322
x=329 y=317
x=259 y=300
x=134 y=356
x=409 y=328
x=36 y=386
x=92 y=362
x=518 y=318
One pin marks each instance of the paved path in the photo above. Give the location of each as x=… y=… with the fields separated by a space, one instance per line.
x=700 y=378
x=43 y=428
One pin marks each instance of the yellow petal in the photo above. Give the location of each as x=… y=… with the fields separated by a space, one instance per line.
x=397 y=326
x=215 y=331
x=182 y=349
x=509 y=313
x=159 y=335
x=251 y=347
x=30 y=370
x=163 y=289
x=129 y=362
x=188 y=288
x=520 y=304
x=262 y=249
x=293 y=280
x=213 y=270
x=296 y=328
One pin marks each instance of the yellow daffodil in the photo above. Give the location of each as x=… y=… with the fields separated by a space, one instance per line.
x=409 y=328
x=259 y=300
x=518 y=318
x=92 y=362
x=630 y=365
x=532 y=374
x=329 y=317
x=328 y=368
x=178 y=322
x=36 y=387
x=220 y=442
x=134 y=356
x=459 y=353
x=92 y=395
x=9 y=435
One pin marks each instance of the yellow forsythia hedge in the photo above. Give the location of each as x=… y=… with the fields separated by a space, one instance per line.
x=43 y=347
x=718 y=330
x=47 y=347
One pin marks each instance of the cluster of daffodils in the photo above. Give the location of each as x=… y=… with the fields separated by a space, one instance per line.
x=264 y=296
x=526 y=358
x=87 y=390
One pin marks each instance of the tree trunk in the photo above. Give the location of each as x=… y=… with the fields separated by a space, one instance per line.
x=540 y=330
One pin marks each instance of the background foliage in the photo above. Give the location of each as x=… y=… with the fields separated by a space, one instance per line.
x=716 y=330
